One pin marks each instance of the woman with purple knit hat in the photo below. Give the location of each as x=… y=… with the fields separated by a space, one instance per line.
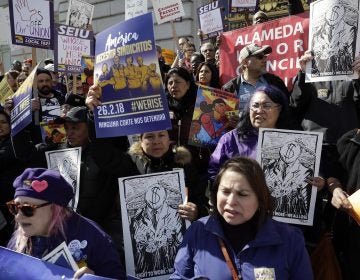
x=43 y=221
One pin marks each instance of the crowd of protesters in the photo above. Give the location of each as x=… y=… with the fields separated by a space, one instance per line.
x=224 y=182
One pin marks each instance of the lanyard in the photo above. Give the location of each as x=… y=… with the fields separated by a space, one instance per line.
x=234 y=273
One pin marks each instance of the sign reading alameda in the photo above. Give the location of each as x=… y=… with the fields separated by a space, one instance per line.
x=287 y=36
x=127 y=70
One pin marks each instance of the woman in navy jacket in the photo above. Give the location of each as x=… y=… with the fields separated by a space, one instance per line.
x=240 y=239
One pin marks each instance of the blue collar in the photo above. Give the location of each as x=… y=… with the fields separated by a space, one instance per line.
x=266 y=236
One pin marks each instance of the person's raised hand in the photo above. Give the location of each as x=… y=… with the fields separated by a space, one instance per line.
x=8 y=105
x=35 y=104
x=306 y=57
x=188 y=211
x=340 y=199
x=80 y=272
x=93 y=97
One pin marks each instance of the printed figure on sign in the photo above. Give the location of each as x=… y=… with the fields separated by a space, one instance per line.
x=105 y=79
x=133 y=75
x=118 y=74
x=143 y=69
x=213 y=121
x=155 y=231
x=152 y=82
x=79 y=14
x=333 y=42
x=286 y=177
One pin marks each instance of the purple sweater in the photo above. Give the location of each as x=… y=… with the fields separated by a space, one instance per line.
x=230 y=146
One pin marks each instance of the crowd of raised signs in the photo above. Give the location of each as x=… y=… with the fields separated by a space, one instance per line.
x=239 y=237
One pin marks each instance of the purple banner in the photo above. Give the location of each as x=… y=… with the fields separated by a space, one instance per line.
x=32 y=23
x=21 y=113
x=127 y=70
x=14 y=266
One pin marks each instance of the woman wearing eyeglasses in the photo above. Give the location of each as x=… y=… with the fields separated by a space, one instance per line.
x=43 y=222
x=267 y=108
x=189 y=49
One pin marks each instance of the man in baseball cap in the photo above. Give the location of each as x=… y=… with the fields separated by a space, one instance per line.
x=253 y=50
x=253 y=74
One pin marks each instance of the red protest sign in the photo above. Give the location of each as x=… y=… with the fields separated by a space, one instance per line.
x=287 y=36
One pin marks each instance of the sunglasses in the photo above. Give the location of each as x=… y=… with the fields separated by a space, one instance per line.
x=27 y=210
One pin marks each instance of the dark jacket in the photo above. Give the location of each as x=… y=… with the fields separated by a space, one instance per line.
x=278 y=251
x=349 y=150
x=331 y=107
x=10 y=168
x=181 y=113
x=233 y=85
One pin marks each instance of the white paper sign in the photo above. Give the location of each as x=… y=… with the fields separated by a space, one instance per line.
x=134 y=8
x=211 y=21
x=243 y=3
x=288 y=158
x=152 y=227
x=80 y=14
x=67 y=162
x=334 y=39
x=167 y=10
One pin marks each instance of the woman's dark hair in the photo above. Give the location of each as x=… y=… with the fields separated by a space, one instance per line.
x=183 y=73
x=218 y=101
x=2 y=112
x=215 y=82
x=256 y=178
x=245 y=128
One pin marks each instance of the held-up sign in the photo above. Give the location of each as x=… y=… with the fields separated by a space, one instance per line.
x=210 y=19
x=167 y=10
x=287 y=36
x=71 y=44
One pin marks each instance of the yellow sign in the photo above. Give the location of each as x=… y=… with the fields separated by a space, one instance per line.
x=169 y=56
x=5 y=90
